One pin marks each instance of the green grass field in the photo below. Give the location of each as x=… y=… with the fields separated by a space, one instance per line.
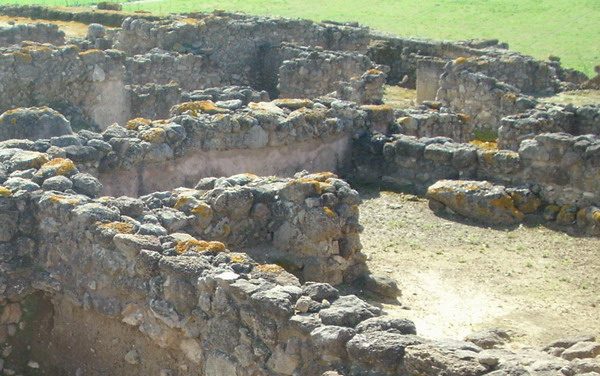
x=566 y=28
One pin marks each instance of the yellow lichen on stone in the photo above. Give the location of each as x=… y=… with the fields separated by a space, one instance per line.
x=93 y=51
x=293 y=103
x=374 y=71
x=5 y=192
x=596 y=216
x=197 y=107
x=330 y=213
x=238 y=258
x=316 y=185
x=269 y=268
x=181 y=202
x=377 y=107
x=154 y=135
x=485 y=145
x=507 y=203
x=120 y=227
x=488 y=156
x=199 y=246
x=60 y=199
x=323 y=176
x=526 y=204
x=404 y=120
x=23 y=57
x=511 y=97
x=226 y=230
x=61 y=166
x=202 y=210
x=460 y=60
x=134 y=124
x=39 y=161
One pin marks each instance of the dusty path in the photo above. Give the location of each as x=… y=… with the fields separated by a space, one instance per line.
x=457 y=277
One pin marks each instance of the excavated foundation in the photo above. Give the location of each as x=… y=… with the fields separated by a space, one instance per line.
x=164 y=208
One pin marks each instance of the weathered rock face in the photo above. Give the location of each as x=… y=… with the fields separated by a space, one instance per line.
x=33 y=124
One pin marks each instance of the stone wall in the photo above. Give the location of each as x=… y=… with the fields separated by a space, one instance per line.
x=429 y=122
x=205 y=139
x=150 y=101
x=560 y=168
x=238 y=46
x=485 y=99
x=39 y=32
x=63 y=77
x=308 y=223
x=548 y=119
x=190 y=71
x=119 y=283
x=428 y=74
x=310 y=72
x=124 y=265
x=402 y=54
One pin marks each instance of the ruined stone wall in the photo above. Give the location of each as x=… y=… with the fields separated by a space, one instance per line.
x=428 y=122
x=562 y=167
x=402 y=54
x=63 y=78
x=309 y=73
x=238 y=47
x=529 y=75
x=230 y=97
x=280 y=137
x=150 y=101
x=428 y=74
x=485 y=99
x=121 y=285
x=39 y=32
x=191 y=306
x=309 y=223
x=548 y=119
x=190 y=71
x=206 y=139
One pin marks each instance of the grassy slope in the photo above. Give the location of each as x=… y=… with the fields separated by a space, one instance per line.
x=567 y=28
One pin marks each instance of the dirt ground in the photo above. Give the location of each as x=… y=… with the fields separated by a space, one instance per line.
x=71 y=28
x=457 y=277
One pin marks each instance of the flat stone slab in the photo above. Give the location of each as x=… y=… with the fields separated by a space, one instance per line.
x=478 y=200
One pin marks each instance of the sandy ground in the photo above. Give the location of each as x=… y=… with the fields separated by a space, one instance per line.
x=457 y=277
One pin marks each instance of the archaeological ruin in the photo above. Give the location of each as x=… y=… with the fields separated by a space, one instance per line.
x=178 y=194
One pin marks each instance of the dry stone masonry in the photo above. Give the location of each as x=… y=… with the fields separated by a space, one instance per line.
x=164 y=210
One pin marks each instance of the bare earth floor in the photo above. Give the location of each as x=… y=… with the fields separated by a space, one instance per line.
x=457 y=278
